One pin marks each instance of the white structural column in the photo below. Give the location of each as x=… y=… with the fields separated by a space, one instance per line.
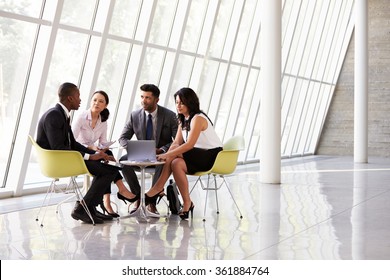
x=361 y=82
x=270 y=109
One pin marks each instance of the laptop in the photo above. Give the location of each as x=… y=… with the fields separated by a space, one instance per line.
x=141 y=150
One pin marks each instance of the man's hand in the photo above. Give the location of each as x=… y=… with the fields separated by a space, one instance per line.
x=101 y=156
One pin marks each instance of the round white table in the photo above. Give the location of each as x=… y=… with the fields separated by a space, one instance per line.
x=142 y=214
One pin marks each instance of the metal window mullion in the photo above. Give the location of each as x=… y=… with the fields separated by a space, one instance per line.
x=327 y=59
x=41 y=87
x=143 y=51
x=283 y=125
x=292 y=39
x=295 y=82
x=22 y=101
x=258 y=76
x=255 y=117
x=99 y=58
x=248 y=72
x=177 y=53
x=206 y=56
x=317 y=52
x=120 y=93
x=331 y=94
x=297 y=137
x=166 y=48
x=331 y=43
x=228 y=65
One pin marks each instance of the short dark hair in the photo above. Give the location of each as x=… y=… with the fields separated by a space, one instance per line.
x=152 y=88
x=65 y=90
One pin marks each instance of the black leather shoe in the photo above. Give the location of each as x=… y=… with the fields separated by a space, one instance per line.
x=79 y=213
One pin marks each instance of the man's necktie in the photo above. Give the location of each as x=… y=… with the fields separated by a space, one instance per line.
x=149 y=128
x=68 y=121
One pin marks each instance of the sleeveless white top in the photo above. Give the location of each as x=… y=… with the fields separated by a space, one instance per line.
x=208 y=139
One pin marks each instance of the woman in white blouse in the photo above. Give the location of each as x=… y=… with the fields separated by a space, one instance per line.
x=90 y=129
x=194 y=149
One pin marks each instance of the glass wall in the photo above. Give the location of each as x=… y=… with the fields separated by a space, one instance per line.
x=210 y=45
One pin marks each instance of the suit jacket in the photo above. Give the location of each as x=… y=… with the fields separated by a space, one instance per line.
x=165 y=131
x=54 y=132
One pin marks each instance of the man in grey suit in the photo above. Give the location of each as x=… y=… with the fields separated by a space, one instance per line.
x=163 y=130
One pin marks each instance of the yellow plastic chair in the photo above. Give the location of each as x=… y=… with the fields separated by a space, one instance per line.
x=225 y=164
x=56 y=164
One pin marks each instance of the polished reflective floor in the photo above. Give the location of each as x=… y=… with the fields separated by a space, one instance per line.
x=326 y=208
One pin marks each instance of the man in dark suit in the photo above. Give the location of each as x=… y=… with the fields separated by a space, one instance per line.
x=54 y=133
x=164 y=128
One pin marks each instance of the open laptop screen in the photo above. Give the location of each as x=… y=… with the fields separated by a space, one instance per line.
x=141 y=150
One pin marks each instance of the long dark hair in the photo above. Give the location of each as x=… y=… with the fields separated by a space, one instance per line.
x=105 y=113
x=189 y=98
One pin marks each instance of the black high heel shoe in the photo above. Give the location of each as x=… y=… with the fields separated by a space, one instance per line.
x=184 y=214
x=153 y=199
x=160 y=196
x=114 y=215
x=124 y=198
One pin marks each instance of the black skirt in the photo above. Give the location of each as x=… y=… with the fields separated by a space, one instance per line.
x=200 y=159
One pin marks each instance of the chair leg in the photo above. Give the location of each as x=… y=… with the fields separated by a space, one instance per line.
x=205 y=201
x=81 y=199
x=231 y=195
x=71 y=186
x=215 y=188
x=46 y=201
x=196 y=182
x=216 y=192
x=65 y=200
x=199 y=180
x=206 y=188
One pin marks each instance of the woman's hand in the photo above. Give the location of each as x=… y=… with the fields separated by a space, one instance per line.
x=162 y=157
x=93 y=148
x=168 y=155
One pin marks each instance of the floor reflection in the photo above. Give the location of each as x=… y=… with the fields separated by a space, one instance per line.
x=326 y=208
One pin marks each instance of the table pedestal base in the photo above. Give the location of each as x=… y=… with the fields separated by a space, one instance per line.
x=142 y=214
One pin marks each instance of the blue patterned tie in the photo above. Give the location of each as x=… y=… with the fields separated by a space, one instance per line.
x=149 y=128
